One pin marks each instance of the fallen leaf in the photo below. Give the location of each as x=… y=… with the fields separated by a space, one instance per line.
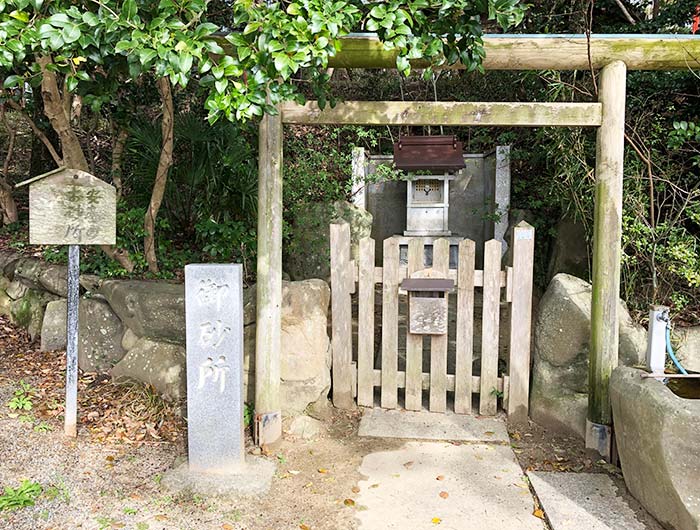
x=294 y=472
x=374 y=486
x=226 y=526
x=408 y=465
x=440 y=477
x=110 y=458
x=444 y=494
x=436 y=520
x=538 y=513
x=489 y=433
x=304 y=527
x=322 y=470
x=349 y=502
x=355 y=489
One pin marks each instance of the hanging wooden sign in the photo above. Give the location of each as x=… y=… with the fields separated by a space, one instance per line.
x=71 y=207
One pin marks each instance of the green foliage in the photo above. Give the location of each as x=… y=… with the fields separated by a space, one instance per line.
x=22 y=399
x=24 y=495
x=248 y=413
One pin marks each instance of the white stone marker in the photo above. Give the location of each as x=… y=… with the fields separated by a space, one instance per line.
x=214 y=321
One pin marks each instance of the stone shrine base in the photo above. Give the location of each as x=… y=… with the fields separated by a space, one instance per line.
x=254 y=479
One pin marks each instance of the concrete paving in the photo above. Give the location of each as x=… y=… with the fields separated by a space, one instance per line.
x=429 y=485
x=575 y=501
x=425 y=425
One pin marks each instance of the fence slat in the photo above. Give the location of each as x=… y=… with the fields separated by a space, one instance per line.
x=390 y=324
x=365 y=327
x=414 y=343
x=341 y=314
x=523 y=243
x=488 y=400
x=438 y=343
x=465 y=327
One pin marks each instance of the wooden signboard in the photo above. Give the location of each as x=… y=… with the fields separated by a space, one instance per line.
x=71 y=207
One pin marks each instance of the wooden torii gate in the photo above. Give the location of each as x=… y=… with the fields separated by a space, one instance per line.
x=612 y=54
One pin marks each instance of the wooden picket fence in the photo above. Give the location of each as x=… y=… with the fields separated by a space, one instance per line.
x=356 y=375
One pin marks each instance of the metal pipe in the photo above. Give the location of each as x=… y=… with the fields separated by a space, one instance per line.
x=71 y=411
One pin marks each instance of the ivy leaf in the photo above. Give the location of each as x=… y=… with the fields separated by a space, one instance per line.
x=70 y=34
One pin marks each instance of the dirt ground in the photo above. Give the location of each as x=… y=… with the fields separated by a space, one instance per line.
x=110 y=477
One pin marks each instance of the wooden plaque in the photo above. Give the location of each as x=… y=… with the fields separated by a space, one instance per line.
x=72 y=207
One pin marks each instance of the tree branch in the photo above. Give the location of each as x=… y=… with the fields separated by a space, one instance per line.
x=622 y=7
x=164 y=163
x=37 y=132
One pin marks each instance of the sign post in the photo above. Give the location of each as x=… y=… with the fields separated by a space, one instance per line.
x=71 y=207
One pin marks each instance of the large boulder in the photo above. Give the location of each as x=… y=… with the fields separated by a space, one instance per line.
x=689 y=348
x=308 y=252
x=160 y=364
x=28 y=270
x=657 y=435
x=305 y=354
x=100 y=337
x=154 y=310
x=559 y=394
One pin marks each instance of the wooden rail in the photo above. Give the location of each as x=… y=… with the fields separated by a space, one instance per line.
x=455 y=113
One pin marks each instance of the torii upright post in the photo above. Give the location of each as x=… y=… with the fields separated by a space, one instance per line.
x=606 y=255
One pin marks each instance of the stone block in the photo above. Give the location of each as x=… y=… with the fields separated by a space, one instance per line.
x=53 y=328
x=159 y=364
x=99 y=340
x=657 y=435
x=154 y=310
x=214 y=317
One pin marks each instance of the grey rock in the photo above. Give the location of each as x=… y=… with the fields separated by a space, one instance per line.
x=689 y=348
x=129 y=339
x=99 y=340
x=53 y=328
x=305 y=427
x=29 y=270
x=305 y=354
x=16 y=290
x=90 y=282
x=308 y=253
x=560 y=368
x=28 y=311
x=657 y=436
x=570 y=250
x=8 y=259
x=54 y=279
x=5 y=300
x=154 y=310
x=159 y=364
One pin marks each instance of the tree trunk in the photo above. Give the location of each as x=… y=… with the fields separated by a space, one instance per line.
x=7 y=201
x=73 y=156
x=117 y=159
x=164 y=163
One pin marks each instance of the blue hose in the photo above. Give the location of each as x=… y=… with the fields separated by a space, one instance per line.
x=672 y=355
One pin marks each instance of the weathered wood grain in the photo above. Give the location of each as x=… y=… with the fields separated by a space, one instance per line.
x=438 y=343
x=365 y=321
x=72 y=207
x=523 y=250
x=455 y=113
x=489 y=328
x=465 y=327
x=414 y=343
x=341 y=307
x=390 y=323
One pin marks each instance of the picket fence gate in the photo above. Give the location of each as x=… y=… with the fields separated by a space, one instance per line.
x=511 y=284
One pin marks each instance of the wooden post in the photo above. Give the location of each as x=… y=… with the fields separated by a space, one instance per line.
x=359 y=187
x=488 y=401
x=365 y=324
x=414 y=342
x=70 y=427
x=523 y=243
x=464 y=355
x=341 y=315
x=607 y=232
x=268 y=415
x=390 y=323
